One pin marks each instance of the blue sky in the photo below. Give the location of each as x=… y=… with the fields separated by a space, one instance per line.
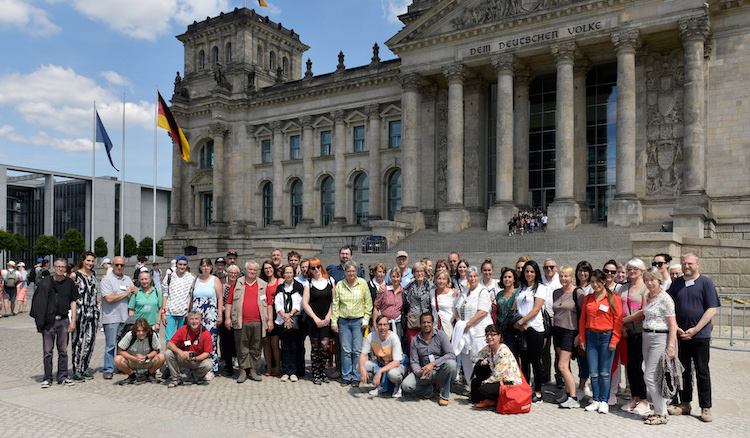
x=62 y=55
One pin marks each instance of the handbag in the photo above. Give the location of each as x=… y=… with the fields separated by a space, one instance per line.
x=295 y=324
x=547 y=322
x=514 y=399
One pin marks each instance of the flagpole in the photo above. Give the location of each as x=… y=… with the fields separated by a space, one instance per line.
x=156 y=121
x=93 y=182
x=122 y=185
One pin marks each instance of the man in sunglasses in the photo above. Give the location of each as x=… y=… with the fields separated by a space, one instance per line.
x=551 y=279
x=661 y=261
x=116 y=289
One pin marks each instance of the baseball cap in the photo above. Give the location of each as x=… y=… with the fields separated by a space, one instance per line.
x=39 y=260
x=105 y=261
x=402 y=254
x=21 y=264
x=220 y=260
x=182 y=257
x=232 y=252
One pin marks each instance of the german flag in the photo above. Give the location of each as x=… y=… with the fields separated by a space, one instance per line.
x=262 y=3
x=167 y=121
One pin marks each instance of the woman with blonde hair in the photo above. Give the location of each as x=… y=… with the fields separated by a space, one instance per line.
x=631 y=295
x=567 y=303
x=416 y=300
x=443 y=300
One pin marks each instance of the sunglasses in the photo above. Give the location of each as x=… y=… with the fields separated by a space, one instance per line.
x=315 y=267
x=658 y=264
x=119 y=264
x=609 y=271
x=550 y=267
x=633 y=269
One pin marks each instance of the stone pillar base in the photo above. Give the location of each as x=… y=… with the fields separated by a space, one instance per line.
x=693 y=217
x=453 y=220
x=414 y=218
x=624 y=213
x=564 y=214
x=587 y=214
x=498 y=217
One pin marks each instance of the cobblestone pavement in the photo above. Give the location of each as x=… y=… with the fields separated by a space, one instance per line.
x=274 y=408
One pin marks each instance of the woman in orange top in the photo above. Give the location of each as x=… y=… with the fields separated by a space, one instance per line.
x=600 y=327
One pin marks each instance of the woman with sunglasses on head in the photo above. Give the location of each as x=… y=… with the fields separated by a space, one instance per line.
x=316 y=300
x=208 y=300
x=271 y=348
x=632 y=330
x=599 y=332
x=496 y=366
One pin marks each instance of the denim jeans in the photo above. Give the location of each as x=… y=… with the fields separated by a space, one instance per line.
x=600 y=363
x=291 y=347
x=443 y=378
x=110 y=341
x=173 y=323
x=56 y=335
x=350 y=335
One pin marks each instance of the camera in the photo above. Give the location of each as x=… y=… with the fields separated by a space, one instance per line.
x=191 y=354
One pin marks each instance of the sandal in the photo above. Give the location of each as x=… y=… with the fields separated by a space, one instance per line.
x=174 y=384
x=655 y=420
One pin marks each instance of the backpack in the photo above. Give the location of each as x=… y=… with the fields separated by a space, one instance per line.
x=134 y=338
x=11 y=280
x=31 y=276
x=125 y=327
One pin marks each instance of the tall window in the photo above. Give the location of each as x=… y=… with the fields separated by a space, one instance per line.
x=359 y=138
x=601 y=137
x=394 y=194
x=394 y=134
x=272 y=61
x=326 y=201
x=215 y=57
x=229 y=53
x=284 y=65
x=542 y=95
x=325 y=143
x=294 y=147
x=207 y=155
x=296 y=202
x=361 y=198
x=260 y=56
x=267 y=208
x=201 y=59
x=208 y=209
x=265 y=151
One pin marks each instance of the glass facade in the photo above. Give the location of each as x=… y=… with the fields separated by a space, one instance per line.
x=267 y=206
x=295 y=194
x=327 y=200
x=70 y=207
x=359 y=138
x=394 y=194
x=25 y=211
x=542 y=96
x=601 y=138
x=361 y=198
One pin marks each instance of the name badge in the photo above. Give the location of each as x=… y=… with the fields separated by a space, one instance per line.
x=263 y=297
x=431 y=358
x=603 y=307
x=689 y=283
x=389 y=288
x=188 y=343
x=146 y=307
x=123 y=287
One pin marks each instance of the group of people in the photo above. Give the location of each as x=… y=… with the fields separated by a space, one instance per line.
x=15 y=282
x=526 y=221
x=409 y=329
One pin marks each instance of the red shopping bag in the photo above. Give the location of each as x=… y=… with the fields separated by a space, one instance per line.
x=514 y=399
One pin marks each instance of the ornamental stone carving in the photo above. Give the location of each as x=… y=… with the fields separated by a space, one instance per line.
x=504 y=64
x=565 y=52
x=275 y=126
x=494 y=10
x=338 y=116
x=626 y=41
x=410 y=81
x=219 y=129
x=694 y=29
x=665 y=79
x=305 y=121
x=455 y=72
x=372 y=110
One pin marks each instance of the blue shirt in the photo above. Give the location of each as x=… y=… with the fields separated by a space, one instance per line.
x=692 y=300
x=337 y=272
x=406 y=278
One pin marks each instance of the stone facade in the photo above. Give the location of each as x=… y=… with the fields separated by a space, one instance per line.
x=392 y=147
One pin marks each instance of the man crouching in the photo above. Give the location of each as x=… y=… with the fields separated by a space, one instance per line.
x=190 y=347
x=139 y=349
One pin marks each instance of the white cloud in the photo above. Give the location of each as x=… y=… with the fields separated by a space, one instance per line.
x=23 y=15
x=116 y=79
x=393 y=8
x=147 y=19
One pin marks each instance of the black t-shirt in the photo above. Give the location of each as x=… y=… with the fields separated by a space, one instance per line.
x=67 y=291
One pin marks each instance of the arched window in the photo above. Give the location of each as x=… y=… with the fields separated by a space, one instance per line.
x=260 y=56
x=207 y=155
x=296 y=202
x=284 y=65
x=201 y=59
x=215 y=57
x=394 y=194
x=267 y=204
x=229 y=53
x=272 y=61
x=361 y=198
x=326 y=201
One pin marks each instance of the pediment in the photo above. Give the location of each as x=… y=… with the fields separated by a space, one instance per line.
x=452 y=16
x=202 y=179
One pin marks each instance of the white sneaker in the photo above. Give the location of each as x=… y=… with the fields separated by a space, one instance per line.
x=603 y=408
x=396 y=393
x=562 y=399
x=235 y=364
x=570 y=403
x=593 y=407
x=587 y=391
x=376 y=391
x=293 y=378
x=46 y=384
x=209 y=376
x=285 y=377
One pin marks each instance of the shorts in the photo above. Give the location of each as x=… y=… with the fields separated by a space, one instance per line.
x=277 y=329
x=9 y=293
x=564 y=339
x=139 y=366
x=21 y=295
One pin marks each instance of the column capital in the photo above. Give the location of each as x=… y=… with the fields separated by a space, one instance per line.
x=523 y=77
x=694 y=29
x=275 y=126
x=372 y=110
x=504 y=64
x=219 y=129
x=455 y=73
x=305 y=121
x=565 y=53
x=250 y=129
x=338 y=116
x=626 y=41
x=410 y=81
x=582 y=67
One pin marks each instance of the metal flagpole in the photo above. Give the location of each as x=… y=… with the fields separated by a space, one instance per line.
x=122 y=185
x=156 y=121
x=93 y=183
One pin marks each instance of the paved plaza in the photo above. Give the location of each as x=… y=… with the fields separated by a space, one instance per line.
x=272 y=408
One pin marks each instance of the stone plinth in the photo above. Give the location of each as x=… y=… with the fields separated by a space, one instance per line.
x=415 y=219
x=393 y=231
x=625 y=212
x=453 y=220
x=498 y=217
x=564 y=214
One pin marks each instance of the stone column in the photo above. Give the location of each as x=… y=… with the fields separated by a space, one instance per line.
x=277 y=155
x=373 y=143
x=580 y=166
x=455 y=217
x=625 y=209
x=308 y=210
x=248 y=169
x=410 y=213
x=503 y=209
x=218 y=131
x=521 y=138
x=693 y=208
x=564 y=213
x=339 y=149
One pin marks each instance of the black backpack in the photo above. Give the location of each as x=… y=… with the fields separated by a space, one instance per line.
x=31 y=275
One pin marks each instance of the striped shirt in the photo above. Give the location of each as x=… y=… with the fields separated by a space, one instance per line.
x=351 y=302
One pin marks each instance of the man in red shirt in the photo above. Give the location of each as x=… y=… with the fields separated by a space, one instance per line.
x=190 y=347
x=246 y=312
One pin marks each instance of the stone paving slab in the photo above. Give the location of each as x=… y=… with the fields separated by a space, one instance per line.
x=272 y=408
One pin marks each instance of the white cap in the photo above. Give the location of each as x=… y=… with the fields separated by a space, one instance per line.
x=105 y=261
x=21 y=264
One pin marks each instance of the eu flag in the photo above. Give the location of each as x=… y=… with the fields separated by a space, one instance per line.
x=102 y=137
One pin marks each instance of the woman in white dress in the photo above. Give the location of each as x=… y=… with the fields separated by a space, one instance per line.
x=443 y=300
x=473 y=308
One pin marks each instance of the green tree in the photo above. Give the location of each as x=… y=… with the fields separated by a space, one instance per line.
x=46 y=245
x=100 y=247
x=72 y=243
x=160 y=248
x=5 y=240
x=131 y=246
x=145 y=248
x=18 y=243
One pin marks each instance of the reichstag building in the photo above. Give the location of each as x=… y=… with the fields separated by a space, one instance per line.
x=616 y=111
